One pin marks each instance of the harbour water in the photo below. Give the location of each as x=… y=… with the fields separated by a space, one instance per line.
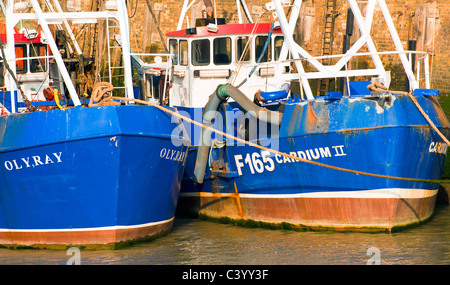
x=198 y=242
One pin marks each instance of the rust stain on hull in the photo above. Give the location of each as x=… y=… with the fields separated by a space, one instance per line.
x=88 y=239
x=349 y=214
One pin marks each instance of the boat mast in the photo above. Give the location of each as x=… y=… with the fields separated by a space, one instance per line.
x=186 y=7
x=288 y=30
x=66 y=28
x=122 y=16
x=13 y=18
x=10 y=52
x=59 y=61
x=247 y=13
x=398 y=44
x=244 y=7
x=3 y=8
x=334 y=71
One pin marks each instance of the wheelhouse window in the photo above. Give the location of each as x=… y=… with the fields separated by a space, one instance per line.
x=278 y=44
x=173 y=49
x=38 y=65
x=200 y=52
x=242 y=50
x=183 y=52
x=260 y=42
x=222 y=51
x=21 y=65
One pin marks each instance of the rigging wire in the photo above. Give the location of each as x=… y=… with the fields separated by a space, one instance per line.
x=263 y=52
x=135 y=9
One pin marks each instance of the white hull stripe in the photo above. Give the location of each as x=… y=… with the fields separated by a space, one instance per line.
x=400 y=193
x=90 y=229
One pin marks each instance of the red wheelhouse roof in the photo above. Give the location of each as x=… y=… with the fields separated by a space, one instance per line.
x=20 y=39
x=228 y=29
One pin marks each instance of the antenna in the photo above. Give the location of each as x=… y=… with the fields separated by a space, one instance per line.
x=215 y=12
x=213 y=27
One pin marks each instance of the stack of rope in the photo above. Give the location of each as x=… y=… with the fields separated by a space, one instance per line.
x=101 y=95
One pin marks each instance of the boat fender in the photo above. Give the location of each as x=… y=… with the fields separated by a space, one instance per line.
x=273 y=95
x=265 y=97
x=331 y=96
x=426 y=92
x=56 y=96
x=49 y=94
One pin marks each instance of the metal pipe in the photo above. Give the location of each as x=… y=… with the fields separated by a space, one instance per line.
x=68 y=30
x=3 y=8
x=59 y=61
x=10 y=51
x=289 y=40
x=247 y=13
x=398 y=44
x=126 y=50
x=210 y=112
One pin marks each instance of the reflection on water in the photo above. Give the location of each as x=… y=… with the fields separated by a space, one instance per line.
x=195 y=242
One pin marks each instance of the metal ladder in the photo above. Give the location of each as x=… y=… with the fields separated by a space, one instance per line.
x=113 y=47
x=327 y=46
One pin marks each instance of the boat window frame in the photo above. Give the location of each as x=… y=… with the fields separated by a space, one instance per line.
x=249 y=52
x=24 y=47
x=2 y=75
x=207 y=58
x=220 y=57
x=176 y=53
x=276 y=56
x=34 y=63
x=184 y=61
x=268 y=55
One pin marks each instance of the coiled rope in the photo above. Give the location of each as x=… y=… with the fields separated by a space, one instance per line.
x=98 y=95
x=276 y=151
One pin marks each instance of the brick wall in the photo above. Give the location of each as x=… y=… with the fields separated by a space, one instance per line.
x=426 y=21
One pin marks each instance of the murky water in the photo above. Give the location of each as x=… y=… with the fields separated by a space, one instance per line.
x=196 y=242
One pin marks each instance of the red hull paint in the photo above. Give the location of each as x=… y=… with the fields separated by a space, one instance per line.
x=89 y=239
x=359 y=214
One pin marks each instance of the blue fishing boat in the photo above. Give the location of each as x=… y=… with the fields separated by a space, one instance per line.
x=363 y=158
x=95 y=176
x=247 y=183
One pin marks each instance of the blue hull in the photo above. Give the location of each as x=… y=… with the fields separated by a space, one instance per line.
x=393 y=139
x=88 y=176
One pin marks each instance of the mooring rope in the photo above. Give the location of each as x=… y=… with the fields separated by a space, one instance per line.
x=376 y=86
x=428 y=119
x=276 y=151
